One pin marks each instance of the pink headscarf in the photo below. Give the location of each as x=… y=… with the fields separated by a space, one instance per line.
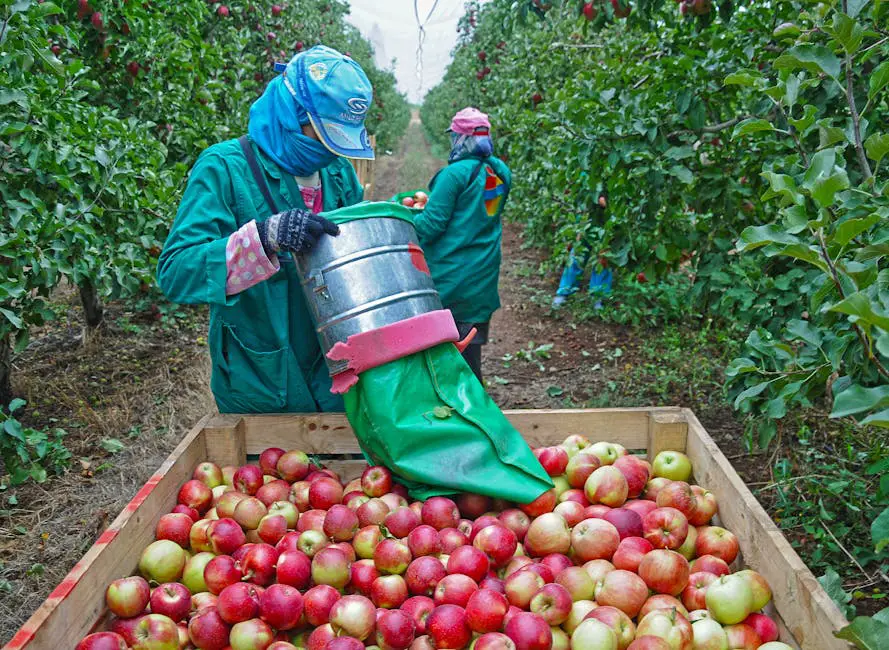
x=471 y=121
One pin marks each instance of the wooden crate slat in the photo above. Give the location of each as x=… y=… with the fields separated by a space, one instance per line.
x=79 y=601
x=807 y=610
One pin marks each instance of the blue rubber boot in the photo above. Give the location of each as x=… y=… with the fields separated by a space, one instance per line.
x=570 y=282
x=601 y=283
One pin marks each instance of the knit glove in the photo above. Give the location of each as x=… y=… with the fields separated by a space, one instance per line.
x=294 y=230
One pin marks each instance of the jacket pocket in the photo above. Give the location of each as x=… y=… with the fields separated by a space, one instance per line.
x=256 y=379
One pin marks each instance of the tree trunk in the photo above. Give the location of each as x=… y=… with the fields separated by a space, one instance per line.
x=5 y=371
x=92 y=308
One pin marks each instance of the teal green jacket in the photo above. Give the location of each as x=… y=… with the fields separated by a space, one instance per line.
x=462 y=241
x=265 y=354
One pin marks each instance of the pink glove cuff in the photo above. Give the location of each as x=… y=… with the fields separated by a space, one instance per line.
x=389 y=343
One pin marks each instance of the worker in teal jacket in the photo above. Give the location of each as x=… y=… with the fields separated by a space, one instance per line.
x=460 y=230
x=239 y=224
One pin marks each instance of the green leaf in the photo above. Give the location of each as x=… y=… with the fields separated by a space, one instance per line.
x=112 y=445
x=555 y=391
x=879 y=419
x=833 y=585
x=856 y=399
x=16 y=404
x=854 y=7
x=862 y=309
x=879 y=78
x=877 y=146
x=825 y=189
x=883 y=344
x=848 y=32
x=756 y=236
x=879 y=529
x=752 y=125
x=851 y=228
x=14 y=428
x=803 y=330
x=815 y=58
x=743 y=78
x=753 y=391
x=102 y=156
x=682 y=173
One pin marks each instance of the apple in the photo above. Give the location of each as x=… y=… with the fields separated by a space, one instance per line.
x=421 y=197
x=392 y=556
x=687 y=550
x=706 y=506
x=606 y=452
x=225 y=506
x=571 y=511
x=175 y=527
x=396 y=501
x=125 y=627
x=542 y=570
x=636 y=471
x=389 y=592
x=597 y=511
x=529 y=631
x=102 y=641
x=669 y=625
x=516 y=563
x=717 y=541
x=195 y=494
x=290 y=542
x=553 y=459
x=408 y=201
x=673 y=465
x=401 y=522
x=448 y=628
x=224 y=12
x=664 y=571
x=486 y=611
x=440 y=513
x=624 y=590
x=254 y=634
x=593 y=635
x=679 y=495
x=210 y=474
x=451 y=538
x=577 y=582
x=621 y=624
x=469 y=561
x=606 y=486
x=574 y=443
x=395 y=630
x=640 y=506
x=697 y=615
x=771 y=645
x=579 y=469
x=542 y=504
x=709 y=635
x=593 y=539
x=424 y=574
x=579 y=611
x=517 y=521
x=344 y=643
x=654 y=486
x=317 y=603
x=627 y=522
x=299 y=495
x=418 y=608
x=292 y=466
x=711 y=564
x=454 y=589
x=693 y=594
x=226 y=536
x=249 y=512
x=762 y=593
x=172 y=600
x=268 y=461
x=574 y=496
x=127 y=597
x=665 y=528
x=765 y=627
x=742 y=637
x=156 y=632
x=649 y=642
x=185 y=510
x=325 y=493
x=363 y=573
x=561 y=640
x=630 y=552
x=376 y=481
x=473 y=506
x=258 y=564
x=729 y=599
x=552 y=603
x=248 y=479
x=208 y=630
x=239 y=602
x=521 y=587
x=598 y=569
x=287 y=510
x=353 y=616
x=549 y=533
x=162 y=561
x=311 y=541
x=274 y=490
x=281 y=606
x=493 y=641
x=424 y=540
x=557 y=562
x=340 y=523
x=320 y=637
x=203 y=600
x=662 y=601
x=498 y=543
x=330 y=566
x=220 y=572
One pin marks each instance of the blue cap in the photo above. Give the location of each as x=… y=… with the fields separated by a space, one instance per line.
x=336 y=94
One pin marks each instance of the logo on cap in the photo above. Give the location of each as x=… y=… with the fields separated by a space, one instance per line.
x=357 y=105
x=318 y=71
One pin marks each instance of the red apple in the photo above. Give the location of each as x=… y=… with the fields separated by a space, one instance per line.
x=679 y=495
x=392 y=556
x=239 y=602
x=662 y=601
x=274 y=490
x=195 y=494
x=719 y=542
x=665 y=528
x=376 y=481
x=440 y=513
x=175 y=527
x=249 y=512
x=624 y=590
x=320 y=637
x=281 y=606
x=517 y=521
x=621 y=624
x=102 y=641
x=353 y=616
x=340 y=523
x=401 y=522
x=669 y=625
x=325 y=493
x=552 y=603
x=469 y=561
x=317 y=602
x=127 y=597
x=395 y=630
x=630 y=552
x=542 y=504
x=366 y=541
x=258 y=564
x=636 y=471
x=706 y=506
x=451 y=538
x=254 y=634
x=742 y=637
x=606 y=486
x=330 y=566
x=764 y=626
x=665 y=572
x=185 y=510
x=640 y=506
x=693 y=594
x=597 y=511
x=204 y=600
x=268 y=460
x=454 y=589
x=220 y=572
x=710 y=564
x=493 y=641
x=577 y=582
x=396 y=501
x=521 y=586
x=363 y=574
x=654 y=486
x=312 y=520
x=344 y=643
x=448 y=628
x=418 y=608
x=172 y=600
x=299 y=495
x=225 y=506
x=542 y=570
x=485 y=611
x=389 y=592
x=473 y=506
x=571 y=511
x=293 y=466
x=553 y=459
x=248 y=479
x=549 y=533
x=156 y=632
x=529 y=632
x=574 y=496
x=125 y=627
x=483 y=521
x=424 y=540
x=498 y=542
x=579 y=469
x=574 y=443
x=208 y=631
x=516 y=563
x=649 y=642
x=225 y=536
x=594 y=539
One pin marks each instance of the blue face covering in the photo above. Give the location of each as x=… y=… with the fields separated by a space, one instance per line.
x=276 y=122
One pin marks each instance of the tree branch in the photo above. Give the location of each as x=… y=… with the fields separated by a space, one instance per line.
x=712 y=128
x=579 y=46
x=856 y=118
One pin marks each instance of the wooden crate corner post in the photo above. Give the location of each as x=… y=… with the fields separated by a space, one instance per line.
x=226 y=440
x=667 y=431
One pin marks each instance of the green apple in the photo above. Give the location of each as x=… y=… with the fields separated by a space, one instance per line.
x=673 y=465
x=593 y=635
x=193 y=574
x=709 y=635
x=775 y=645
x=729 y=599
x=162 y=561
x=762 y=593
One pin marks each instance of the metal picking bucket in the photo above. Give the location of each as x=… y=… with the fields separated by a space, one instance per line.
x=370 y=275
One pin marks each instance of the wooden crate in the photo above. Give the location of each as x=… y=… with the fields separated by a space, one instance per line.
x=365 y=171
x=805 y=613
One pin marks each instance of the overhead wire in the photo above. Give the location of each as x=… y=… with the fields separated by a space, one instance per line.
x=421 y=37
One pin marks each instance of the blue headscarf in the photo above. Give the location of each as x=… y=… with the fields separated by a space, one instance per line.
x=470 y=146
x=276 y=122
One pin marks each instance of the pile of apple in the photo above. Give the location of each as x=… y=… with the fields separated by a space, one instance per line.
x=417 y=201
x=620 y=554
